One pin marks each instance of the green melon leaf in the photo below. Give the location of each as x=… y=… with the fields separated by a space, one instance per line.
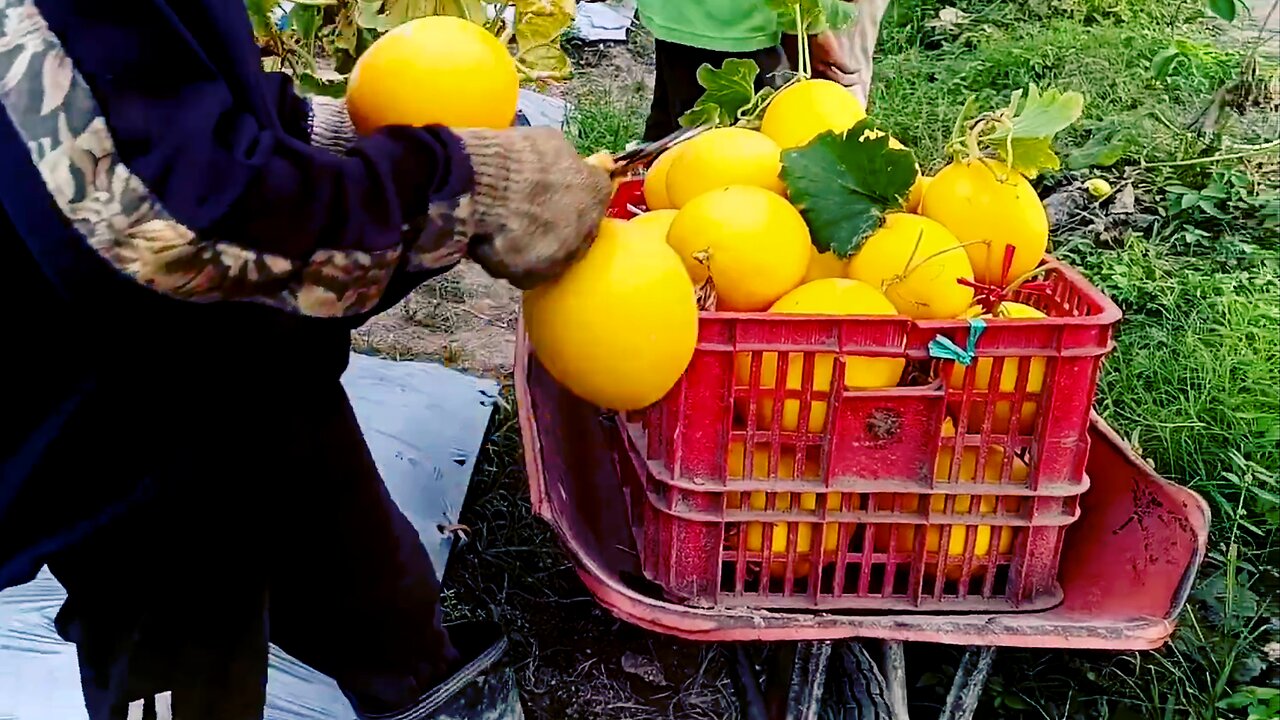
x=306 y=22
x=728 y=91
x=260 y=15
x=369 y=16
x=1225 y=9
x=328 y=87
x=843 y=184
x=815 y=15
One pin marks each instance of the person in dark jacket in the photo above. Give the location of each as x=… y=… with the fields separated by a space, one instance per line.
x=185 y=246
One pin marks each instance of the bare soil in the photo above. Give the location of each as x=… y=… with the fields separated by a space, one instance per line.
x=463 y=319
x=573 y=660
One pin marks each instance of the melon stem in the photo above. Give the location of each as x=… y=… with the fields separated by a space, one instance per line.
x=802 y=45
x=1017 y=282
x=910 y=268
x=535 y=75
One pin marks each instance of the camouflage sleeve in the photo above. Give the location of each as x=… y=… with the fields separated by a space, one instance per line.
x=198 y=193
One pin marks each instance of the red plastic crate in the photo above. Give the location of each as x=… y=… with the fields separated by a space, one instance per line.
x=865 y=525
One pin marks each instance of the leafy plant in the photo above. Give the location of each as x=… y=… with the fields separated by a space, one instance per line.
x=318 y=41
x=1109 y=142
x=727 y=93
x=1196 y=58
x=1225 y=9
x=1260 y=703
x=1211 y=216
x=1021 y=134
x=806 y=17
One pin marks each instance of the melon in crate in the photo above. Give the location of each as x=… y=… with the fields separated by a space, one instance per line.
x=1009 y=371
x=827 y=296
x=754 y=532
x=958 y=537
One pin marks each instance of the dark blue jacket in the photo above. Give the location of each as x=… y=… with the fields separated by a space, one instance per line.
x=171 y=244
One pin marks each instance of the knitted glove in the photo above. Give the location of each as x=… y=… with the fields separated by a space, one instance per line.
x=331 y=127
x=536 y=205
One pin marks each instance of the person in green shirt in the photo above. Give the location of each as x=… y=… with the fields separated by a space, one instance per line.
x=689 y=33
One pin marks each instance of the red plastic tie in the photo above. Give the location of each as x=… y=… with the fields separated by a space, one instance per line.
x=989 y=295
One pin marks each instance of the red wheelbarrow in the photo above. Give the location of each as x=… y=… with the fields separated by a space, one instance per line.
x=1128 y=564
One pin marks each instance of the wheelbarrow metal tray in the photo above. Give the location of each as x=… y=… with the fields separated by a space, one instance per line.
x=1127 y=566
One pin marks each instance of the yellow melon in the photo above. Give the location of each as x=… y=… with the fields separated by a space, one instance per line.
x=753 y=532
x=917 y=263
x=803 y=110
x=958 y=537
x=754 y=245
x=824 y=265
x=1008 y=378
x=721 y=157
x=618 y=328
x=655 y=180
x=990 y=208
x=654 y=224
x=437 y=70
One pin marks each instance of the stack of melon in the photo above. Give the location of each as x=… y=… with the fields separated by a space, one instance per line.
x=718 y=202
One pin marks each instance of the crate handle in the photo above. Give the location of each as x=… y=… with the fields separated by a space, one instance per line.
x=942 y=348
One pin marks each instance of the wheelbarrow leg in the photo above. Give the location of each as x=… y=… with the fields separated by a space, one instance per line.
x=802 y=684
x=795 y=677
x=895 y=677
x=808 y=680
x=971 y=678
x=753 y=703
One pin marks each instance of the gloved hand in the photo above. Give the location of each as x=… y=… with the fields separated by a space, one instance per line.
x=534 y=208
x=536 y=205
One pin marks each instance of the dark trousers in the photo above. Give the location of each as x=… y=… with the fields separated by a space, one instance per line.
x=675 y=82
x=262 y=527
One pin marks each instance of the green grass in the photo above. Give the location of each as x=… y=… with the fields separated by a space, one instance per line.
x=924 y=76
x=1193 y=381
x=602 y=121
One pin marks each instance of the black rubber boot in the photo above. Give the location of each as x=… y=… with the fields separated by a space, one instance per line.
x=484 y=689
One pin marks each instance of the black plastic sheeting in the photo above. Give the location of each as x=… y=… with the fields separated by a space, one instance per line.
x=424 y=424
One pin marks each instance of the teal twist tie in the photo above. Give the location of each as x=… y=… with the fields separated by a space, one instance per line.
x=942 y=348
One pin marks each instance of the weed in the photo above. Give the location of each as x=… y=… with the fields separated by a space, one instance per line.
x=600 y=120
x=924 y=76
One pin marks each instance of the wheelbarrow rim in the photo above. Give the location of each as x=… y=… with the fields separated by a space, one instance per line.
x=1053 y=628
